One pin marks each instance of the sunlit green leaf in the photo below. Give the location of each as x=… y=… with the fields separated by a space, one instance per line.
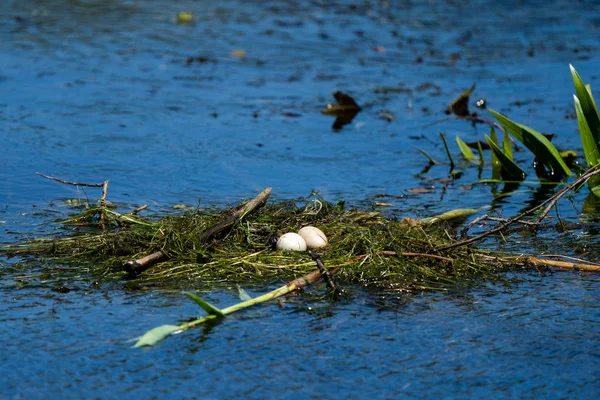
x=496 y=166
x=206 y=306
x=507 y=146
x=450 y=215
x=508 y=125
x=509 y=170
x=544 y=151
x=587 y=111
x=538 y=144
x=590 y=148
x=466 y=151
x=589 y=89
x=157 y=334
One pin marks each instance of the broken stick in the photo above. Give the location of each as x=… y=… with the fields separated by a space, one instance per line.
x=136 y=267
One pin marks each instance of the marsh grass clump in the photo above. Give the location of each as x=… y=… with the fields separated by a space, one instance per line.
x=366 y=248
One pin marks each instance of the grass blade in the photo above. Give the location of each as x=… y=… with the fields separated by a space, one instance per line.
x=431 y=160
x=206 y=306
x=507 y=146
x=496 y=165
x=157 y=334
x=447 y=150
x=509 y=170
x=480 y=151
x=466 y=150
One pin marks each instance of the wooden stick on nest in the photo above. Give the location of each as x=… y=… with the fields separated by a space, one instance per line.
x=103 y=185
x=135 y=267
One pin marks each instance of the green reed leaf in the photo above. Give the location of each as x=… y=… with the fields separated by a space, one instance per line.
x=508 y=169
x=206 y=306
x=466 y=150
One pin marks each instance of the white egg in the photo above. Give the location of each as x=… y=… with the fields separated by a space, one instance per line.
x=291 y=241
x=314 y=237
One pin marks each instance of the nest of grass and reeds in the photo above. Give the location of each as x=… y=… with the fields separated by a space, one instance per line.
x=364 y=248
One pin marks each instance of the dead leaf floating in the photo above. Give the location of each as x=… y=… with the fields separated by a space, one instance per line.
x=419 y=190
x=344 y=111
x=241 y=54
x=460 y=105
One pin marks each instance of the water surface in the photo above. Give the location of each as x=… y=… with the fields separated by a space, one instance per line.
x=95 y=90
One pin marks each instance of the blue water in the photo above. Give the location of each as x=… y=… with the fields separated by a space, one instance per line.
x=95 y=90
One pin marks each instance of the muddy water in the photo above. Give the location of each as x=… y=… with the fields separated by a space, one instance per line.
x=213 y=111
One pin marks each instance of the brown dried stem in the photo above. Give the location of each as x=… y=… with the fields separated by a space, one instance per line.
x=595 y=170
x=323 y=270
x=557 y=264
x=103 y=185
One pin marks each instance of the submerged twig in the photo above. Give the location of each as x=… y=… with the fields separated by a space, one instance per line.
x=486 y=217
x=465 y=230
x=552 y=200
x=137 y=210
x=527 y=223
x=323 y=270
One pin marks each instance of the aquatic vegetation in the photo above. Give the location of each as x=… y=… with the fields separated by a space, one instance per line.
x=159 y=333
x=550 y=164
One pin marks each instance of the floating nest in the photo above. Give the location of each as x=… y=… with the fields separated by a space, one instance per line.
x=236 y=246
x=364 y=248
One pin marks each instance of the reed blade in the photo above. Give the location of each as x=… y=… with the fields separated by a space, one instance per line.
x=509 y=170
x=206 y=306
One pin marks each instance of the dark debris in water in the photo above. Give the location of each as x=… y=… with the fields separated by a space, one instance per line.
x=344 y=112
x=460 y=105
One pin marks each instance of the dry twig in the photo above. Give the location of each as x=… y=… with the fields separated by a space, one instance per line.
x=323 y=270
x=135 y=267
x=595 y=170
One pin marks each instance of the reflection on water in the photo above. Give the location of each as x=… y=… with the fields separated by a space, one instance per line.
x=95 y=90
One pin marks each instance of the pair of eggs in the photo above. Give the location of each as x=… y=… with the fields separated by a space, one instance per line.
x=308 y=237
